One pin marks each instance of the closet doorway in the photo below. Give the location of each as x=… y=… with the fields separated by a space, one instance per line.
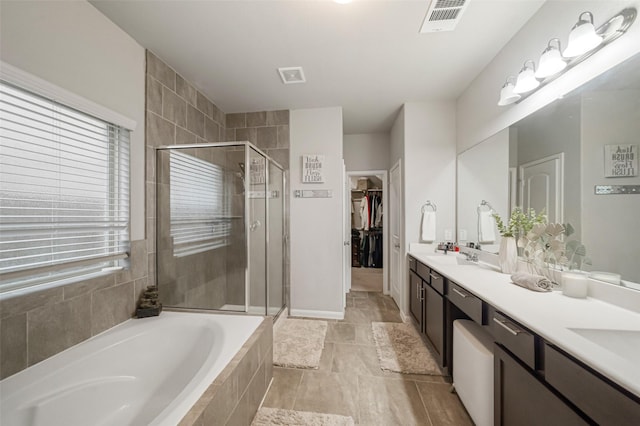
x=369 y=226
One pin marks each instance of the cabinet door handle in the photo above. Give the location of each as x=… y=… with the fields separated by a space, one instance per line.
x=433 y=277
x=418 y=291
x=421 y=294
x=461 y=294
x=505 y=324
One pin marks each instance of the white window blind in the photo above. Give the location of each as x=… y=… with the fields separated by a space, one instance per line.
x=200 y=215
x=64 y=191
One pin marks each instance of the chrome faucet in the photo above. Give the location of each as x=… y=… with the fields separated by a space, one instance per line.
x=471 y=257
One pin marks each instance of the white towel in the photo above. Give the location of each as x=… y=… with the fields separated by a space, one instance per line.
x=486 y=227
x=428 y=227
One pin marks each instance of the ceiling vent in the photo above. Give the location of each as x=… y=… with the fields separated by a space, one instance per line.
x=291 y=75
x=443 y=15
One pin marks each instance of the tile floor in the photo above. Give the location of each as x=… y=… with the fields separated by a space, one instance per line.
x=366 y=279
x=349 y=381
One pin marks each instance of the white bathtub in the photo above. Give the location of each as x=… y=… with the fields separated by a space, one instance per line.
x=143 y=372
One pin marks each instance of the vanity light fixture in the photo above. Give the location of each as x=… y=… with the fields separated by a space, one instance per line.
x=526 y=81
x=551 y=62
x=584 y=41
x=583 y=37
x=507 y=96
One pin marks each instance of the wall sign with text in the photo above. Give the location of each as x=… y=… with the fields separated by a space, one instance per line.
x=312 y=169
x=620 y=160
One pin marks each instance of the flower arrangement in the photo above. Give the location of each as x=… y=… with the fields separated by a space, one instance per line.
x=520 y=223
x=545 y=249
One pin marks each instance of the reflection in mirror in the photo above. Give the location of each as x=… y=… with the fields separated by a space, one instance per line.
x=558 y=156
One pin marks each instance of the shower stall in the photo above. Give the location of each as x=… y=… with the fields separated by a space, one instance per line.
x=220 y=234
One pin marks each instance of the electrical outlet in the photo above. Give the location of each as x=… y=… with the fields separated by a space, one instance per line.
x=463 y=235
x=448 y=235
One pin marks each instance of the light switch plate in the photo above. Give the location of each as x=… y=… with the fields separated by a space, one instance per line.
x=448 y=235
x=463 y=235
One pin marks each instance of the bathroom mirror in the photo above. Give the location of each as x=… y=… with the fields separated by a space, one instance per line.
x=554 y=159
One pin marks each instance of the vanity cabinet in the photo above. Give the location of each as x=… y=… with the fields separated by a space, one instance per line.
x=416 y=299
x=427 y=305
x=521 y=399
x=602 y=401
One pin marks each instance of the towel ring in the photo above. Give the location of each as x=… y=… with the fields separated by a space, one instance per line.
x=485 y=203
x=429 y=204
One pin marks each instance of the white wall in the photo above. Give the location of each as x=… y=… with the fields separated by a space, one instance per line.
x=610 y=222
x=483 y=174
x=316 y=223
x=429 y=169
x=369 y=151
x=72 y=45
x=477 y=113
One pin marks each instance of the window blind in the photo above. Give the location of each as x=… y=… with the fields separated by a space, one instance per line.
x=64 y=191
x=199 y=214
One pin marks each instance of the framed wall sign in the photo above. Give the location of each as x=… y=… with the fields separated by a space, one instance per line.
x=620 y=160
x=312 y=169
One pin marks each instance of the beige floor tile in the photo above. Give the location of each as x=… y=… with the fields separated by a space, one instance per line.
x=356 y=359
x=341 y=333
x=328 y=393
x=326 y=358
x=367 y=279
x=443 y=406
x=282 y=393
x=390 y=402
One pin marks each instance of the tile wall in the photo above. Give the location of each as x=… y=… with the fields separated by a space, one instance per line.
x=38 y=325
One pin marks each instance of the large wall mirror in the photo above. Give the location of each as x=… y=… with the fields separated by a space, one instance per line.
x=553 y=160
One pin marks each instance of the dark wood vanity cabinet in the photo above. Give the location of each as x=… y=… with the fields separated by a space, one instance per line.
x=520 y=399
x=416 y=299
x=426 y=306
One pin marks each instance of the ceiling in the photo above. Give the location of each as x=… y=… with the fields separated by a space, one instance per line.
x=367 y=56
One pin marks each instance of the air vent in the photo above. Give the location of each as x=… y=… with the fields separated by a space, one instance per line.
x=291 y=75
x=443 y=15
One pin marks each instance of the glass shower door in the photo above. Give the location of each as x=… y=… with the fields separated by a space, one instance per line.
x=257 y=231
x=275 y=247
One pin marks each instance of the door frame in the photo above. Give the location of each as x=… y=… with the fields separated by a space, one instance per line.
x=402 y=266
x=385 y=219
x=559 y=159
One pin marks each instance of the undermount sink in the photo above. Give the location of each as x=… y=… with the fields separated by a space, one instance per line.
x=625 y=343
x=450 y=260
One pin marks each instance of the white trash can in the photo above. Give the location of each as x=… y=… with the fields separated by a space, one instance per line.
x=473 y=370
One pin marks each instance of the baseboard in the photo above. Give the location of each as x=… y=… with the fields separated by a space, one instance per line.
x=316 y=314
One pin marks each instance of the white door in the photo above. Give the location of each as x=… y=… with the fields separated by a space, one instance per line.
x=346 y=226
x=395 y=225
x=542 y=183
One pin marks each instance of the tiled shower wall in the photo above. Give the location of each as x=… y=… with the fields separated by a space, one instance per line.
x=40 y=324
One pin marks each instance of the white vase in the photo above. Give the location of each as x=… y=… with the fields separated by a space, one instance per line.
x=508 y=255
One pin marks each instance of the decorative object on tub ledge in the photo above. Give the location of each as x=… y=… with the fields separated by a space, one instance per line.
x=400 y=349
x=278 y=416
x=532 y=282
x=520 y=223
x=298 y=343
x=148 y=305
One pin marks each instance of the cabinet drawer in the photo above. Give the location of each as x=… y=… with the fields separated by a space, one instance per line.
x=514 y=337
x=437 y=281
x=412 y=264
x=423 y=271
x=466 y=301
x=602 y=402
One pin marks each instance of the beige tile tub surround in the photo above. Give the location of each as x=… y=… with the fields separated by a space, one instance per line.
x=38 y=325
x=235 y=395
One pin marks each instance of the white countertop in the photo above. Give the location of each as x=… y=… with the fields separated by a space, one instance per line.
x=551 y=315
